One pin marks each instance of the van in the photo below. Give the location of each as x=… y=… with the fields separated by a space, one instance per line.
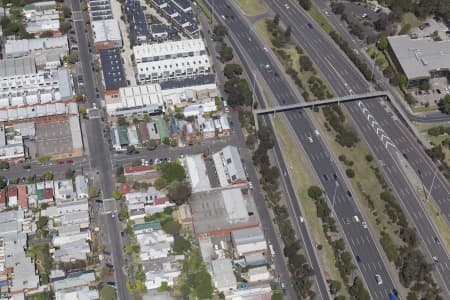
x=272 y=251
x=379 y=279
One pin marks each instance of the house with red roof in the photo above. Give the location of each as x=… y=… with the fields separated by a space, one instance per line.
x=12 y=195
x=141 y=173
x=22 y=200
x=2 y=198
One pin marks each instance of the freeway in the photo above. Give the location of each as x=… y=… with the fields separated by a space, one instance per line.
x=355 y=43
x=359 y=239
x=345 y=79
x=99 y=156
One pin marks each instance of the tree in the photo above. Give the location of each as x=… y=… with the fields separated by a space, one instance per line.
x=123 y=214
x=179 y=192
x=238 y=91
x=121 y=121
x=358 y=291
x=172 y=171
x=150 y=145
x=171 y=227
x=181 y=245
x=337 y=7
x=72 y=58
x=47 y=34
x=276 y=20
x=219 y=32
x=47 y=175
x=444 y=104
x=116 y=194
x=383 y=43
x=202 y=285
x=131 y=149
x=335 y=287
x=3 y=181
x=65 y=27
x=350 y=173
x=314 y=192
x=306 y=4
x=226 y=53
x=4 y=165
x=69 y=173
x=305 y=63
x=66 y=11
x=232 y=70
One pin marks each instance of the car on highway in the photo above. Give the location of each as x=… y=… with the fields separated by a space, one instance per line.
x=358 y=259
x=325 y=177
x=349 y=194
x=405 y=156
x=310 y=139
x=364 y=224
x=436 y=240
x=310 y=26
x=435 y=259
x=379 y=279
x=356 y=219
x=316 y=132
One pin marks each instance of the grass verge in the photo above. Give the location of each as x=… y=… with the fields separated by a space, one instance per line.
x=365 y=184
x=441 y=225
x=320 y=19
x=253 y=7
x=292 y=60
x=301 y=181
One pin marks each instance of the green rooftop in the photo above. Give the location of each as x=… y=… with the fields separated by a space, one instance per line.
x=154 y=225
x=162 y=128
x=123 y=135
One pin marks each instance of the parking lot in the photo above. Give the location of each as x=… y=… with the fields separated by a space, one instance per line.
x=439 y=88
x=362 y=15
x=428 y=27
x=53 y=138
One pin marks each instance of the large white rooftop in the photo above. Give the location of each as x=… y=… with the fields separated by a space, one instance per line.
x=418 y=57
x=168 y=48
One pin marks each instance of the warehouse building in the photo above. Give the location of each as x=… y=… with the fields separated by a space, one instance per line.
x=229 y=166
x=100 y=10
x=106 y=34
x=112 y=68
x=420 y=59
x=25 y=47
x=220 y=211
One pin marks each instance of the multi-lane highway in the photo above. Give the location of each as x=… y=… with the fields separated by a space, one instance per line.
x=359 y=239
x=99 y=156
x=345 y=79
x=355 y=43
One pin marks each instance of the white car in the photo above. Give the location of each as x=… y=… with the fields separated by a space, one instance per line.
x=250 y=185
x=310 y=139
x=316 y=132
x=364 y=224
x=356 y=219
x=379 y=279
x=301 y=219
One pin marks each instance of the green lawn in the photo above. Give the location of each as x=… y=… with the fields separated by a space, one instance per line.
x=252 y=7
x=320 y=19
x=108 y=293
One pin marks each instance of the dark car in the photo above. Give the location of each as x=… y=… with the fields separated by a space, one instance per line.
x=358 y=259
x=405 y=156
x=335 y=176
x=111 y=283
x=436 y=240
x=310 y=26
x=349 y=194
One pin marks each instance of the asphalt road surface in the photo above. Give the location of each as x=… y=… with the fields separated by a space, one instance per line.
x=359 y=239
x=345 y=79
x=355 y=43
x=99 y=155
